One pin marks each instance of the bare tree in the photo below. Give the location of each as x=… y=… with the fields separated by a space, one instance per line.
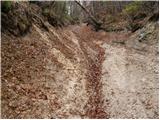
x=96 y=23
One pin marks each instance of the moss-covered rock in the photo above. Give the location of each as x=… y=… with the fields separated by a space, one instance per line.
x=17 y=21
x=6 y=6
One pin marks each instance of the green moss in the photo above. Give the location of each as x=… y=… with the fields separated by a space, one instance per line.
x=45 y=12
x=6 y=6
x=133 y=7
x=22 y=26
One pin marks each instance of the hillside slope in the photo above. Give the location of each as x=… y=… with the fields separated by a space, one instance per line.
x=76 y=72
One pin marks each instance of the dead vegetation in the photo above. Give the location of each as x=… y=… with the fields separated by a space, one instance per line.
x=53 y=69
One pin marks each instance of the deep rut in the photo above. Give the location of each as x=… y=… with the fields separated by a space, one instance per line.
x=94 y=107
x=94 y=87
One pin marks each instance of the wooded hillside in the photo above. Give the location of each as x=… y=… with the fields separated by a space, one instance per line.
x=108 y=16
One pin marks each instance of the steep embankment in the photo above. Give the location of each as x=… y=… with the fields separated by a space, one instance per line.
x=43 y=75
x=76 y=72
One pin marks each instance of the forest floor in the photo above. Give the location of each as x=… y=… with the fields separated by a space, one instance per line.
x=76 y=72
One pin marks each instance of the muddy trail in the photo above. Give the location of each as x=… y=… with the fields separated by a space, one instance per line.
x=76 y=72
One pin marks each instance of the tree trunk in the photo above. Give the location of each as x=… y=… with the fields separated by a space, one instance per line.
x=96 y=24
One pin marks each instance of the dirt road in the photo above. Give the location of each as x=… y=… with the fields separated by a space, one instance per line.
x=76 y=72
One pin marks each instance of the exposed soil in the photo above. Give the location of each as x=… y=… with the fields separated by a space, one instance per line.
x=76 y=72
